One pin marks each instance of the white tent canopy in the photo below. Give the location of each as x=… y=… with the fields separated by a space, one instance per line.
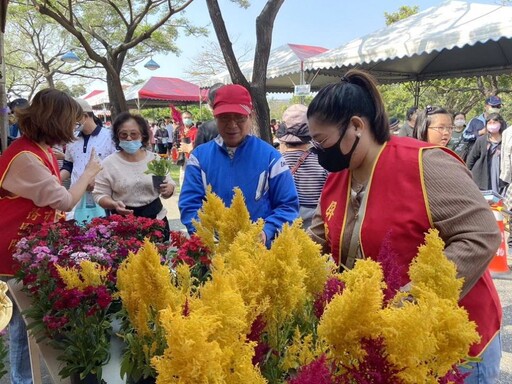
x=287 y=57
x=454 y=39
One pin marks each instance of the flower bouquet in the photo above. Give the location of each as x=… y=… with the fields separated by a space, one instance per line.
x=284 y=315
x=70 y=272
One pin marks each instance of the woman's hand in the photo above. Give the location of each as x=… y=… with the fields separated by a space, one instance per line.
x=120 y=208
x=93 y=166
x=166 y=189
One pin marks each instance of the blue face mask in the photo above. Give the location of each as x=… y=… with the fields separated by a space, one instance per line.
x=188 y=122
x=131 y=146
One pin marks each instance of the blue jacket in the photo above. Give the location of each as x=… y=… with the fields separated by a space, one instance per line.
x=474 y=126
x=257 y=169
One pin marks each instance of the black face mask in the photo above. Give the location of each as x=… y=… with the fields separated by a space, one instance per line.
x=333 y=160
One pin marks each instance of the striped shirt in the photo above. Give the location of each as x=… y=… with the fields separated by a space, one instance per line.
x=309 y=178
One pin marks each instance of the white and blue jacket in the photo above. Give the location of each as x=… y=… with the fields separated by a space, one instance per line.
x=256 y=168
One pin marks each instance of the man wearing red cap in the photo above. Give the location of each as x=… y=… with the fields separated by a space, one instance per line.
x=237 y=159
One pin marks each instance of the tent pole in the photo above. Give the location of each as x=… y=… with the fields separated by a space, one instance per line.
x=302 y=98
x=417 y=86
x=200 y=105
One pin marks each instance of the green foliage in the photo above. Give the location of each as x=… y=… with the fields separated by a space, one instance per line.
x=199 y=114
x=3 y=354
x=75 y=90
x=403 y=12
x=159 y=167
x=85 y=350
x=456 y=95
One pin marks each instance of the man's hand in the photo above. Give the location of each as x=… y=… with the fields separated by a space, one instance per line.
x=263 y=237
x=186 y=147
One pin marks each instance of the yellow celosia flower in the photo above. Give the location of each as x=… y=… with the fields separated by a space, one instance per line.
x=86 y=274
x=209 y=216
x=236 y=219
x=200 y=347
x=145 y=287
x=301 y=352
x=318 y=267
x=432 y=269
x=219 y=296
x=354 y=314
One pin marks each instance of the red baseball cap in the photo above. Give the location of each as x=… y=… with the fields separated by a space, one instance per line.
x=232 y=98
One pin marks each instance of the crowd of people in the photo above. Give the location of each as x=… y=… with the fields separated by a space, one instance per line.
x=334 y=166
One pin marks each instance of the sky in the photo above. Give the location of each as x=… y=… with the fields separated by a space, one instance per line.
x=325 y=23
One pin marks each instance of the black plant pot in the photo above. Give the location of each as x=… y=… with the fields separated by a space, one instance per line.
x=147 y=380
x=91 y=378
x=157 y=180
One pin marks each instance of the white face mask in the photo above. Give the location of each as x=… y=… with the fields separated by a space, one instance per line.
x=493 y=127
x=493 y=110
x=459 y=122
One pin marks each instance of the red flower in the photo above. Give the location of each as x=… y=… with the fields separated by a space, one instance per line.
x=178 y=238
x=316 y=372
x=454 y=376
x=186 y=309
x=375 y=368
x=53 y=322
x=392 y=270
x=104 y=297
x=332 y=287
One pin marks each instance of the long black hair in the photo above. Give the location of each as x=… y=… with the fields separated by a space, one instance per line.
x=355 y=95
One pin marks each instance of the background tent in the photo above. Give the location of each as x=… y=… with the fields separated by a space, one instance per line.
x=98 y=99
x=162 y=91
x=288 y=58
x=155 y=92
x=454 y=39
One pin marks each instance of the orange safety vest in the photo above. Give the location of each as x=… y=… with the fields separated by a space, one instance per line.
x=19 y=213
x=397 y=207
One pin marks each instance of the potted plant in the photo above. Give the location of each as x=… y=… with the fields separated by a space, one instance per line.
x=158 y=168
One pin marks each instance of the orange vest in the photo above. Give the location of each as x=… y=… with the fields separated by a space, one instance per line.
x=397 y=207
x=19 y=213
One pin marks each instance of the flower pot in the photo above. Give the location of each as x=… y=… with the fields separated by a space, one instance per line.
x=91 y=378
x=157 y=180
x=147 y=380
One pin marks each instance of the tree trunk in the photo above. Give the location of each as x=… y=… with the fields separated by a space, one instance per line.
x=257 y=88
x=262 y=113
x=116 y=95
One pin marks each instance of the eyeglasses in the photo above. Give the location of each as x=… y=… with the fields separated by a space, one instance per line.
x=443 y=129
x=131 y=135
x=317 y=147
x=237 y=119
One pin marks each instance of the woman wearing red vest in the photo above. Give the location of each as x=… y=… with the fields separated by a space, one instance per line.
x=31 y=192
x=383 y=187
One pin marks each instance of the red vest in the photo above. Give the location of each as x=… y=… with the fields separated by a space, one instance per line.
x=397 y=207
x=18 y=213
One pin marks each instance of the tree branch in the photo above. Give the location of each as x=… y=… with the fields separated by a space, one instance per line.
x=225 y=44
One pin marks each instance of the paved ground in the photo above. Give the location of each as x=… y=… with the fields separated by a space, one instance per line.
x=503 y=284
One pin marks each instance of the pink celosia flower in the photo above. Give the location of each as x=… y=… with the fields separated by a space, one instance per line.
x=375 y=368
x=454 y=376
x=316 y=372
x=331 y=288
x=393 y=271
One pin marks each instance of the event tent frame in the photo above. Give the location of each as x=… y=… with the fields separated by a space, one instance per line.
x=454 y=39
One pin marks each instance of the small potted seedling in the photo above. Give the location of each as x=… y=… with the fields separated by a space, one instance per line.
x=158 y=168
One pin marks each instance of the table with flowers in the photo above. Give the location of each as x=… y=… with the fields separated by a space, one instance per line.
x=221 y=307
